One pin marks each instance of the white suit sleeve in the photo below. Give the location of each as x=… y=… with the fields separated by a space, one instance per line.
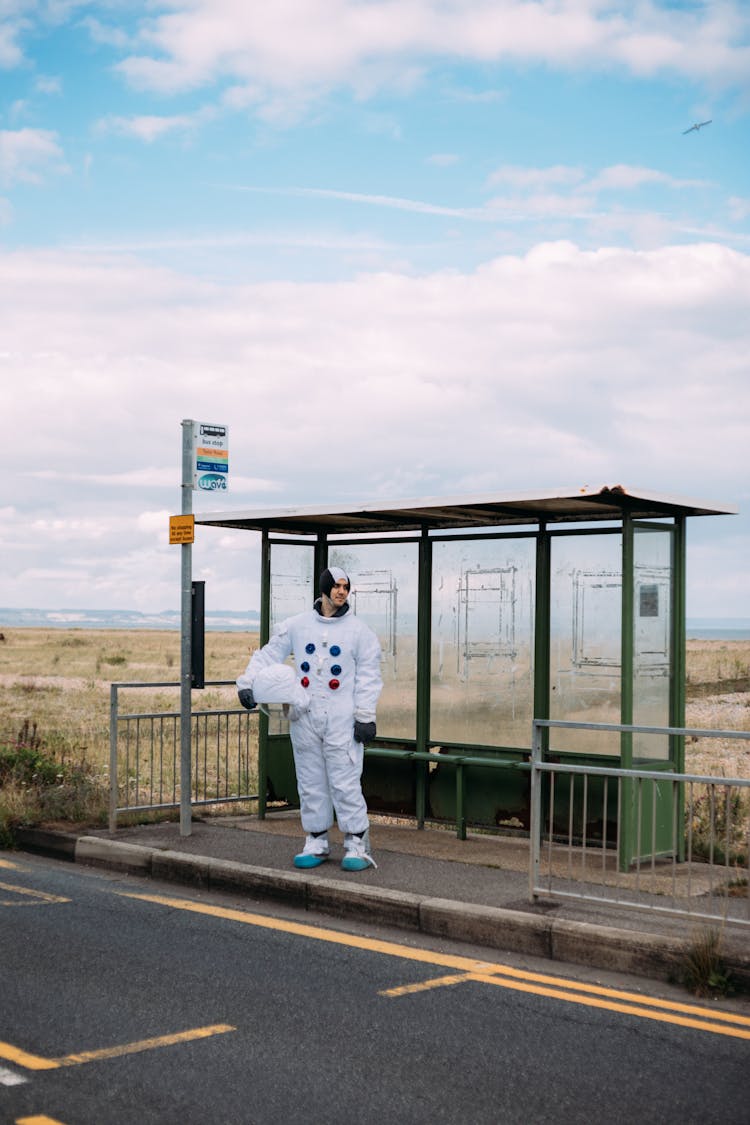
x=368 y=682
x=275 y=652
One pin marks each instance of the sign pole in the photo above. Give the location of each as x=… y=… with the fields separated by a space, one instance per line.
x=186 y=699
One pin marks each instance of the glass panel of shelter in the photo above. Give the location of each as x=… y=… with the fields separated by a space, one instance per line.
x=652 y=633
x=482 y=679
x=292 y=590
x=585 y=639
x=482 y=632
x=384 y=578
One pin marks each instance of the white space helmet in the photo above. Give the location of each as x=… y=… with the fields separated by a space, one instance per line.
x=277 y=690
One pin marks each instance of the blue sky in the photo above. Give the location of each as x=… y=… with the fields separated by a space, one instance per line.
x=406 y=248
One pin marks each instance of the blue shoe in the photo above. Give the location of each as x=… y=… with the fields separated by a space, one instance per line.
x=357 y=853
x=315 y=852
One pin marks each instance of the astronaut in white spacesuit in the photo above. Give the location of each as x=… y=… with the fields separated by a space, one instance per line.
x=337 y=660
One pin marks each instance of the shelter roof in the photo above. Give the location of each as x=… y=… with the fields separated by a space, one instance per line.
x=456 y=512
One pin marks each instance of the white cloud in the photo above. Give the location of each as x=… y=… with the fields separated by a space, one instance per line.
x=378 y=43
x=105 y=34
x=617 y=177
x=396 y=203
x=242 y=239
x=531 y=371
x=153 y=521
x=48 y=84
x=739 y=208
x=520 y=177
x=18 y=110
x=152 y=127
x=420 y=343
x=10 y=53
x=628 y=177
x=477 y=97
x=531 y=199
x=538 y=205
x=520 y=206
x=161 y=478
x=27 y=155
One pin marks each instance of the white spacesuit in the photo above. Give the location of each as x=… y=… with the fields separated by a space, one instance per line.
x=337 y=659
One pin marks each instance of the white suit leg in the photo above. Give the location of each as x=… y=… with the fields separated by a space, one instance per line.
x=344 y=777
x=316 y=807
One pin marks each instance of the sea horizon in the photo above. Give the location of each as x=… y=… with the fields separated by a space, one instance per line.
x=228 y=620
x=216 y=620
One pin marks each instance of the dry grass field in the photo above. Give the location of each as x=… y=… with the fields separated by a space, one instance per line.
x=718 y=698
x=55 y=688
x=59 y=681
x=55 y=702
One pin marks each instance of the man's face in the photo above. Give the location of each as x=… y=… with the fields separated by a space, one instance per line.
x=339 y=593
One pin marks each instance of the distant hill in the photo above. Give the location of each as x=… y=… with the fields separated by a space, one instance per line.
x=217 y=620
x=231 y=621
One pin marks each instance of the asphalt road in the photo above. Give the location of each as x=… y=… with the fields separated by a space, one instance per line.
x=123 y=1000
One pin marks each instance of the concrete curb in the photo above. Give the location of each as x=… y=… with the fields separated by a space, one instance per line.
x=580 y=943
x=62 y=845
x=123 y=857
x=625 y=951
x=493 y=926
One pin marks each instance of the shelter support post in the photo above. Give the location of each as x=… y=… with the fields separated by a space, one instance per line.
x=542 y=630
x=628 y=840
x=265 y=632
x=679 y=670
x=424 y=640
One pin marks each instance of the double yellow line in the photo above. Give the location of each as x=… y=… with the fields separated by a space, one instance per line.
x=465 y=969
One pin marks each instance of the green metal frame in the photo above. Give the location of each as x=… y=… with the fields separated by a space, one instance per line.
x=424 y=645
x=418 y=752
x=630 y=842
x=627 y=834
x=542 y=603
x=265 y=630
x=679 y=669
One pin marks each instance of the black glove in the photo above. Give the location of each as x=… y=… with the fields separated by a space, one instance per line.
x=363 y=732
x=246 y=698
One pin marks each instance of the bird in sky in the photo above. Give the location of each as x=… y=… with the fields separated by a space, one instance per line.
x=698 y=125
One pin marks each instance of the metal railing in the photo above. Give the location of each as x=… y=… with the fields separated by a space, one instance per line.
x=580 y=812
x=144 y=754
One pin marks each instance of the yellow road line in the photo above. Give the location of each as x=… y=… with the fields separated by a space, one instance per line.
x=304 y=929
x=37 y=1062
x=634 y=1009
x=23 y=1058
x=427 y=985
x=8 y=863
x=505 y=971
x=146 y=1044
x=637 y=1007
x=598 y=996
x=38 y=896
x=39 y=1119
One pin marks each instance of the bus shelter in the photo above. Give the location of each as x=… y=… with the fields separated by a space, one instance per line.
x=493 y=610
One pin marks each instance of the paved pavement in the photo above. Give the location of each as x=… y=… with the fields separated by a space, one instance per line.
x=474 y=890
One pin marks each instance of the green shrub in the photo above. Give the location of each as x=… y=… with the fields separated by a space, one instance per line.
x=25 y=762
x=47 y=780
x=705 y=972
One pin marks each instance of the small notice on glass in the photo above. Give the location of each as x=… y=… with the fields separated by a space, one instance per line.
x=182 y=529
